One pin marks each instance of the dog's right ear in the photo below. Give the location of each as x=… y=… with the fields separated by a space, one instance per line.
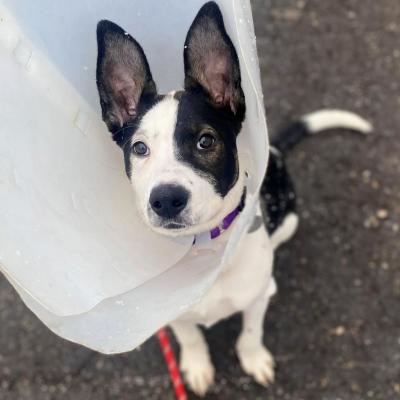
x=123 y=77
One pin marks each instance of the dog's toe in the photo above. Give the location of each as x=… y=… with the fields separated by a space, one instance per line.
x=257 y=362
x=198 y=371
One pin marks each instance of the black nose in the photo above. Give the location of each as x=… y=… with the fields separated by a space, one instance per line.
x=168 y=201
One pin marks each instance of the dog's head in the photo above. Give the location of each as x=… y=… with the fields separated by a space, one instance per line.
x=180 y=148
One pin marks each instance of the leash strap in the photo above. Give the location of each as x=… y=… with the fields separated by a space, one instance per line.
x=173 y=369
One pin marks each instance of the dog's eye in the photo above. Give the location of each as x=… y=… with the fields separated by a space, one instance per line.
x=140 y=149
x=206 y=141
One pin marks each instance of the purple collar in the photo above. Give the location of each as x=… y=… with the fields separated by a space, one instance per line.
x=227 y=221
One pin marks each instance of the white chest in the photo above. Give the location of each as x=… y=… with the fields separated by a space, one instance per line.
x=242 y=281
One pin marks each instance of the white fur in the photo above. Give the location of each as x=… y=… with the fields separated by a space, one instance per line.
x=206 y=208
x=241 y=281
x=330 y=119
x=285 y=231
x=195 y=361
x=246 y=285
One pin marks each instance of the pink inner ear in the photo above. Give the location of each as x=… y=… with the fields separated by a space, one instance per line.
x=216 y=73
x=125 y=91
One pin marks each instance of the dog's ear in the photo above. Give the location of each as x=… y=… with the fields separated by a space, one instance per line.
x=211 y=61
x=123 y=76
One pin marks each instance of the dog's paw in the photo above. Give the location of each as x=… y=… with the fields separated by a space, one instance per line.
x=198 y=371
x=258 y=362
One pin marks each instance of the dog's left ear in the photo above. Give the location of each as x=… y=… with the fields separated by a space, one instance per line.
x=211 y=61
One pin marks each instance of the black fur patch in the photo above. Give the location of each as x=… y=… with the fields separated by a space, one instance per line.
x=178 y=94
x=290 y=136
x=278 y=197
x=220 y=163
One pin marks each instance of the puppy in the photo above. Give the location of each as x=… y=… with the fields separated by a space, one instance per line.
x=181 y=158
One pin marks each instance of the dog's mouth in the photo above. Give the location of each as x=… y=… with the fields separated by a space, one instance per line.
x=170 y=228
x=173 y=226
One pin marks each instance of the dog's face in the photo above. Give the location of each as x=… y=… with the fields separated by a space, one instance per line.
x=180 y=148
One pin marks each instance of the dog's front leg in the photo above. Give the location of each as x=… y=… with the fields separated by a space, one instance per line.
x=254 y=357
x=195 y=360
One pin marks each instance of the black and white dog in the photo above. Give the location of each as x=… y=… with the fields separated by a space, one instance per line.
x=182 y=160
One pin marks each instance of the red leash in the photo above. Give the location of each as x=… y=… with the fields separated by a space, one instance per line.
x=172 y=365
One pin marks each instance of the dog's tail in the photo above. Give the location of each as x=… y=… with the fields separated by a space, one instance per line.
x=316 y=122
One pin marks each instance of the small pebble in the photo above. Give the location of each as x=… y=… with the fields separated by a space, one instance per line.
x=368 y=342
x=340 y=330
x=382 y=213
x=351 y=15
x=357 y=282
x=303 y=261
x=371 y=222
x=375 y=185
x=384 y=265
x=324 y=382
x=366 y=174
x=355 y=387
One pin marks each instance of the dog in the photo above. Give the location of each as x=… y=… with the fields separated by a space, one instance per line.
x=182 y=160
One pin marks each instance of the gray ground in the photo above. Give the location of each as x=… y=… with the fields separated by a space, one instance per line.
x=335 y=325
